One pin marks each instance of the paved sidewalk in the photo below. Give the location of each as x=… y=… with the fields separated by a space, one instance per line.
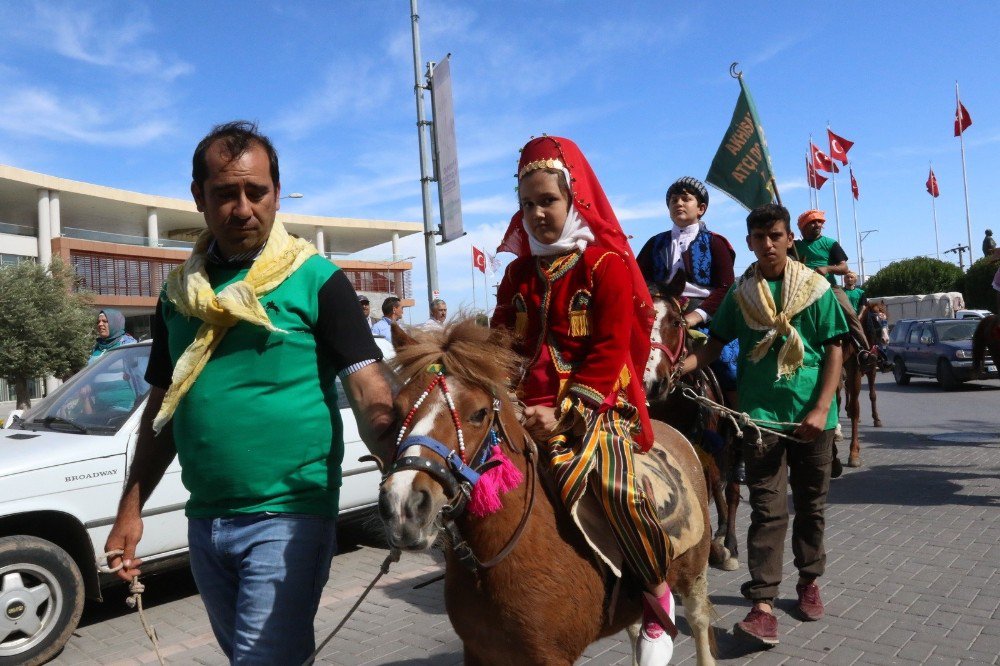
x=913 y=539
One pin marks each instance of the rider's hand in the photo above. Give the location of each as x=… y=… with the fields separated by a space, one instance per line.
x=812 y=425
x=693 y=319
x=125 y=535
x=540 y=420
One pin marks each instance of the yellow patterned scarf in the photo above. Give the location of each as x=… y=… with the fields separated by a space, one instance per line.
x=190 y=291
x=800 y=288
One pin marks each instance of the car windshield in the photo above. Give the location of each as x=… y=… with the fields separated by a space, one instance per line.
x=98 y=399
x=953 y=331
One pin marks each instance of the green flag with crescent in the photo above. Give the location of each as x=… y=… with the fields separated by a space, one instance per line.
x=742 y=165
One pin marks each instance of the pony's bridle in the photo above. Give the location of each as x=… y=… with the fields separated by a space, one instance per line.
x=457 y=476
x=676 y=355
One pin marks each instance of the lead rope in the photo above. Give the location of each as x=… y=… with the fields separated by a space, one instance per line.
x=134 y=600
x=743 y=419
x=392 y=557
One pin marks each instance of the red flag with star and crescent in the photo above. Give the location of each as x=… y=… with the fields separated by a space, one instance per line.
x=839 y=147
x=812 y=176
x=932 y=185
x=478 y=259
x=854 y=183
x=820 y=161
x=962 y=119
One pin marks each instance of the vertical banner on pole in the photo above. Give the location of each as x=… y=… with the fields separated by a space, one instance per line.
x=446 y=152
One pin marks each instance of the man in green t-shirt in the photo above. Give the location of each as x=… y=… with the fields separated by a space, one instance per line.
x=249 y=337
x=855 y=294
x=790 y=329
x=825 y=256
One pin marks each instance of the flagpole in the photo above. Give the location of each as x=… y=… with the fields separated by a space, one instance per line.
x=812 y=161
x=473 y=269
x=833 y=176
x=486 y=292
x=937 y=243
x=857 y=233
x=965 y=178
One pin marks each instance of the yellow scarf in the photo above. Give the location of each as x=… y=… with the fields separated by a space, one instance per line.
x=190 y=291
x=800 y=288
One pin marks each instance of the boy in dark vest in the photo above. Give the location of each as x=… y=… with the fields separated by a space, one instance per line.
x=706 y=259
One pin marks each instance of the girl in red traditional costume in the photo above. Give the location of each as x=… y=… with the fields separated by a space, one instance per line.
x=581 y=316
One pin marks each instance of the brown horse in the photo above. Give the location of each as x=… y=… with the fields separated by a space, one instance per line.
x=853 y=372
x=712 y=437
x=986 y=337
x=522 y=586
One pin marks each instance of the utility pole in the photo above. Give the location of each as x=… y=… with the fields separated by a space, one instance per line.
x=862 y=235
x=961 y=250
x=425 y=180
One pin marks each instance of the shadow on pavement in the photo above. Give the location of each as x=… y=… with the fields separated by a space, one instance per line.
x=910 y=485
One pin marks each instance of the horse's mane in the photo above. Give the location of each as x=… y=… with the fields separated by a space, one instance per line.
x=469 y=351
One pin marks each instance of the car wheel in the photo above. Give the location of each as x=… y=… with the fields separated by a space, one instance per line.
x=41 y=599
x=899 y=372
x=946 y=375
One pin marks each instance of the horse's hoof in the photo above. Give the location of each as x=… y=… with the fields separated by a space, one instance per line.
x=730 y=564
x=854 y=461
x=878 y=424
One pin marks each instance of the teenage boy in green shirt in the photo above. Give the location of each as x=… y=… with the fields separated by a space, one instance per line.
x=790 y=327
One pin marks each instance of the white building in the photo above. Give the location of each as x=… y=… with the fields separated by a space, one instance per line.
x=123 y=244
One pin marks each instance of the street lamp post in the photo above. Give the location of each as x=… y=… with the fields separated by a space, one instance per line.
x=862 y=235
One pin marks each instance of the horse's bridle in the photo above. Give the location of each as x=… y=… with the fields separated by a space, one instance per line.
x=457 y=476
x=677 y=355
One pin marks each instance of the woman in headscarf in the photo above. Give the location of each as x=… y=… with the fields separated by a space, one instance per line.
x=581 y=316
x=110 y=333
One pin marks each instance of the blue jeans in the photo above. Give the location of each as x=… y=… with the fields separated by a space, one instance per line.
x=261 y=577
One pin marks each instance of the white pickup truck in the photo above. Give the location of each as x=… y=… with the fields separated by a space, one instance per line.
x=63 y=465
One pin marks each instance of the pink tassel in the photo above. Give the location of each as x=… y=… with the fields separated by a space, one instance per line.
x=509 y=476
x=499 y=480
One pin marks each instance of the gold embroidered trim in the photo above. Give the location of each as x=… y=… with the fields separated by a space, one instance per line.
x=578 y=327
x=540 y=164
x=520 y=323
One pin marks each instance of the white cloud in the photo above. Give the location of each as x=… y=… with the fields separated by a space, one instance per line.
x=106 y=40
x=37 y=112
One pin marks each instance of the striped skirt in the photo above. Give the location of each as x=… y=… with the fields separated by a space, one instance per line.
x=603 y=459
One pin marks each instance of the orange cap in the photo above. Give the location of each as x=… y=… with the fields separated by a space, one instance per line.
x=810 y=215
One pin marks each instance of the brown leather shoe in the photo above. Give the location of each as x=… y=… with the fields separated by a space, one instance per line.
x=810 y=606
x=759 y=626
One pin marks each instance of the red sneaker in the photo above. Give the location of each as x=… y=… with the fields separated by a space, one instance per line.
x=759 y=626
x=810 y=605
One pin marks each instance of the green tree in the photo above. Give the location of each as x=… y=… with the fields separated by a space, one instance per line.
x=978 y=287
x=46 y=328
x=920 y=275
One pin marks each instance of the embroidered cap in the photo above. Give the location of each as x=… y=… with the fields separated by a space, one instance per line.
x=689 y=184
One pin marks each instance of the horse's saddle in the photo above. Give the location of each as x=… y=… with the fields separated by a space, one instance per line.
x=670 y=482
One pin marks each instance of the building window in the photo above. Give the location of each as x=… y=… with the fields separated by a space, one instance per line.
x=395 y=281
x=115 y=275
x=11 y=259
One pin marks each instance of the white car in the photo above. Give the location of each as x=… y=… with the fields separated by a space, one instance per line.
x=62 y=470
x=972 y=314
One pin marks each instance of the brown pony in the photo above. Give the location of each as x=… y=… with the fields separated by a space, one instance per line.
x=720 y=456
x=986 y=337
x=521 y=585
x=853 y=372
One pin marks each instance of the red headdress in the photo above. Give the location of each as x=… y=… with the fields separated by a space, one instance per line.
x=593 y=207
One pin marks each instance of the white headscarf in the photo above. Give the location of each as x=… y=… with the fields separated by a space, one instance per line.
x=575 y=232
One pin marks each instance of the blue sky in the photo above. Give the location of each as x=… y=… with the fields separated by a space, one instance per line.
x=119 y=93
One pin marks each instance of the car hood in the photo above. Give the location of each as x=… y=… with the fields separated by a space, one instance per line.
x=958 y=344
x=27 y=450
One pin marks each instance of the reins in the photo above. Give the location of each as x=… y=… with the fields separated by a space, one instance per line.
x=134 y=600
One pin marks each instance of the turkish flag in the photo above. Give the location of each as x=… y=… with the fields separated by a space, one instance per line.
x=839 y=147
x=820 y=161
x=932 y=186
x=962 y=119
x=812 y=176
x=854 y=183
x=478 y=259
